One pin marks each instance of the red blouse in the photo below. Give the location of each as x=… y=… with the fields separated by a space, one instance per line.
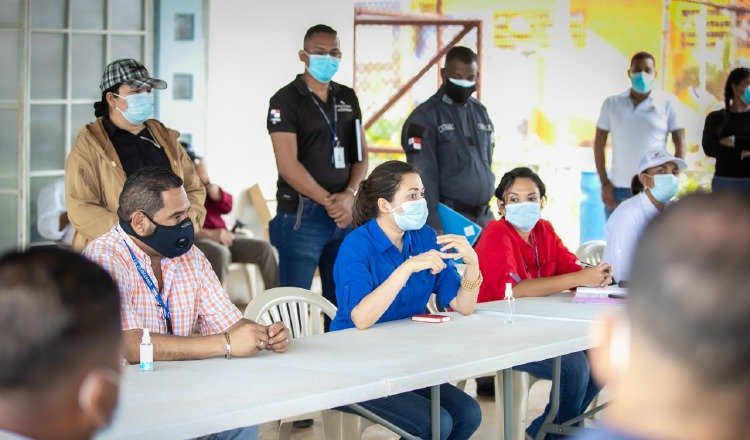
x=503 y=255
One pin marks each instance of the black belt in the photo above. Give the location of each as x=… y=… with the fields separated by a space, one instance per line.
x=476 y=211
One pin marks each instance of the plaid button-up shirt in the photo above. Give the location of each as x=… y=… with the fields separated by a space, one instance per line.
x=195 y=296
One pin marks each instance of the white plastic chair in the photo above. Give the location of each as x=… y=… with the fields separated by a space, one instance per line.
x=302 y=312
x=591 y=252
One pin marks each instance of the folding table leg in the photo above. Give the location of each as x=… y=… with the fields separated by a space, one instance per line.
x=508 y=404
x=435 y=410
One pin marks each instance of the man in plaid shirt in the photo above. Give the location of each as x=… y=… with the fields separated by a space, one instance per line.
x=166 y=284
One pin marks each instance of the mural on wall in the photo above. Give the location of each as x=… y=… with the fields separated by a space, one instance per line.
x=547 y=66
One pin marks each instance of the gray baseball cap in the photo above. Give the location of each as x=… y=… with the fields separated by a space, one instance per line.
x=130 y=72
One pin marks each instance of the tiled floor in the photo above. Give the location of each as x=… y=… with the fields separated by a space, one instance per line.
x=537 y=400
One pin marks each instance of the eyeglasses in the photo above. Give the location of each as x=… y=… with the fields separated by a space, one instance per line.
x=335 y=53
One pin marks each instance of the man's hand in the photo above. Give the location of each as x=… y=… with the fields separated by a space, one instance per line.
x=248 y=338
x=745 y=154
x=339 y=208
x=278 y=337
x=608 y=195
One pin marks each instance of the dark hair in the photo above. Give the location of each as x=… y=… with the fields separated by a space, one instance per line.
x=642 y=56
x=635 y=185
x=688 y=289
x=189 y=151
x=517 y=173
x=735 y=77
x=318 y=28
x=143 y=191
x=462 y=54
x=382 y=183
x=58 y=311
x=101 y=108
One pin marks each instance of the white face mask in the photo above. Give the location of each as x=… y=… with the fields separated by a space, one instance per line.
x=414 y=215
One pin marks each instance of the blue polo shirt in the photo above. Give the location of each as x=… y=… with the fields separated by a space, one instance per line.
x=367 y=258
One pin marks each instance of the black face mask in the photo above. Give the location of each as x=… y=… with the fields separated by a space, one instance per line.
x=170 y=241
x=458 y=93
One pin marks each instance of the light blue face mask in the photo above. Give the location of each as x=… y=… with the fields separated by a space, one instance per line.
x=323 y=67
x=140 y=107
x=523 y=216
x=746 y=96
x=465 y=83
x=642 y=82
x=414 y=215
x=665 y=187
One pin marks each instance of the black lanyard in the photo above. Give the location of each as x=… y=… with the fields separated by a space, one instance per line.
x=333 y=127
x=536 y=258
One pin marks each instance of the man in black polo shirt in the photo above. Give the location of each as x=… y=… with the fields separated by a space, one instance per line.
x=450 y=139
x=321 y=158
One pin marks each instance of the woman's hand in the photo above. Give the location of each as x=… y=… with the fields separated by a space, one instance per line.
x=727 y=141
x=462 y=247
x=432 y=260
x=597 y=276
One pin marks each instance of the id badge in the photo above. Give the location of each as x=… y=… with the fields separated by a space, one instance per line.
x=338 y=157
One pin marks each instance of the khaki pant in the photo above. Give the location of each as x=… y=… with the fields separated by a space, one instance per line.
x=243 y=250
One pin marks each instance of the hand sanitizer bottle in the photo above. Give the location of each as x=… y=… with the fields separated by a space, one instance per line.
x=147 y=352
x=510 y=304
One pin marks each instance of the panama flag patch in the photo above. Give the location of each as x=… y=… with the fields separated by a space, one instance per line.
x=274 y=116
x=415 y=143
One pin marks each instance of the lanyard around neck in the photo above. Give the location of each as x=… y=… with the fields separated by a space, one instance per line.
x=536 y=259
x=332 y=127
x=151 y=287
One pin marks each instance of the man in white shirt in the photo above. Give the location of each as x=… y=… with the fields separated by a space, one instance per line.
x=52 y=216
x=657 y=173
x=640 y=120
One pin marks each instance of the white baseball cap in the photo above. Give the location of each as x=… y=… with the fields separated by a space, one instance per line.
x=654 y=158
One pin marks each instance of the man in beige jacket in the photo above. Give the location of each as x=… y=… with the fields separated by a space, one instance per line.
x=120 y=141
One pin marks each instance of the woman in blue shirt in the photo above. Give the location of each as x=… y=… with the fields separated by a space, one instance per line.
x=387 y=268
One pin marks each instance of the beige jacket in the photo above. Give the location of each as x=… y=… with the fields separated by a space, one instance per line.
x=94 y=179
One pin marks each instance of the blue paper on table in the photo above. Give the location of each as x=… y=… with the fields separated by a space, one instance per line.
x=456 y=223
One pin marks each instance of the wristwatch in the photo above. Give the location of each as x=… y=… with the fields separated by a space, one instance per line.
x=731 y=141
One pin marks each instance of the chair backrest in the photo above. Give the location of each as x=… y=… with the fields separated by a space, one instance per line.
x=300 y=309
x=591 y=252
x=253 y=210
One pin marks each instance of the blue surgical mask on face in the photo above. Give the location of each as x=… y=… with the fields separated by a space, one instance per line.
x=140 y=107
x=170 y=241
x=323 y=67
x=523 y=216
x=642 y=82
x=665 y=187
x=414 y=215
x=746 y=96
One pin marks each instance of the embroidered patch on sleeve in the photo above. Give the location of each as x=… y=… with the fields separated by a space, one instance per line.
x=274 y=116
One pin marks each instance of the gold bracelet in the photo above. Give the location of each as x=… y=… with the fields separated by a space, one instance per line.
x=228 y=355
x=472 y=285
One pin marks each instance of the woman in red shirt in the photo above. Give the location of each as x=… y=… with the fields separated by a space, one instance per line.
x=524 y=250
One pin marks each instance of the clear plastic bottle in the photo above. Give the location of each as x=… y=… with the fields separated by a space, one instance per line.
x=510 y=304
x=147 y=352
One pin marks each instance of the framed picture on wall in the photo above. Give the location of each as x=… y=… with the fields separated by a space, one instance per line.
x=184 y=27
x=182 y=86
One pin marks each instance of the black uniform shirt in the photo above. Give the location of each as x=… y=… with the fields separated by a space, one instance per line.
x=293 y=109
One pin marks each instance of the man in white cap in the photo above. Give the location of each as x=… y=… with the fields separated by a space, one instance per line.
x=657 y=172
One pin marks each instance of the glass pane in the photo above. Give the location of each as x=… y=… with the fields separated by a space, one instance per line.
x=81 y=114
x=10 y=13
x=37 y=183
x=47 y=66
x=87 y=61
x=9 y=149
x=127 y=47
x=87 y=14
x=126 y=14
x=9 y=60
x=48 y=13
x=9 y=220
x=47 y=137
